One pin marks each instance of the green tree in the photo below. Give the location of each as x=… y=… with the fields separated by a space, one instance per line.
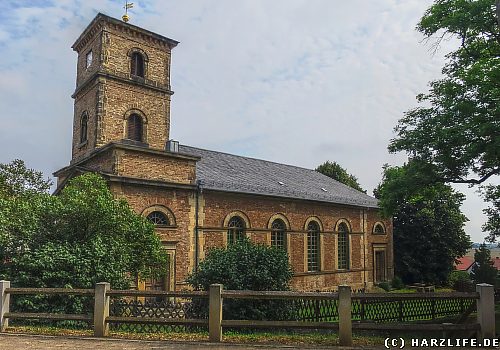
x=337 y=172
x=73 y=240
x=427 y=226
x=492 y=225
x=483 y=270
x=23 y=198
x=246 y=266
x=454 y=134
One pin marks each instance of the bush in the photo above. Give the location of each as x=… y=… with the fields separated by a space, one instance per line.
x=397 y=283
x=460 y=281
x=385 y=286
x=246 y=266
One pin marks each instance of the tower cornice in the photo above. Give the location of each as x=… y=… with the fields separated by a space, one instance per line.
x=152 y=85
x=103 y=21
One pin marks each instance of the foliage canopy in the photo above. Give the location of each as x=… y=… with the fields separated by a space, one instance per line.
x=337 y=172
x=246 y=266
x=427 y=226
x=483 y=270
x=73 y=240
x=454 y=135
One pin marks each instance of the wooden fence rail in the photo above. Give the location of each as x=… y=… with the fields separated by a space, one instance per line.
x=335 y=311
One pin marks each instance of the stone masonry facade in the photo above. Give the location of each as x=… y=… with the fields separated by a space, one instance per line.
x=153 y=179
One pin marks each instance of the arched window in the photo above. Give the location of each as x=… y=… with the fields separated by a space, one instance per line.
x=278 y=231
x=378 y=229
x=343 y=246
x=83 y=128
x=137 y=65
x=236 y=229
x=312 y=246
x=134 y=127
x=158 y=218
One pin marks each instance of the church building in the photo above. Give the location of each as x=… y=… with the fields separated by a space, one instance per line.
x=197 y=198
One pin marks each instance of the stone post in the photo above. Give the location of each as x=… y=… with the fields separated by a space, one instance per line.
x=345 y=321
x=4 y=305
x=101 y=309
x=486 y=310
x=215 y=313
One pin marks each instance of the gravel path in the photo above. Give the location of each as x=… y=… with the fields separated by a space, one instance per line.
x=42 y=342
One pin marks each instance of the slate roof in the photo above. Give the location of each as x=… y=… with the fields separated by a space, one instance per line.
x=227 y=172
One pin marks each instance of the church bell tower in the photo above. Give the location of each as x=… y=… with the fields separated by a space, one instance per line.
x=122 y=87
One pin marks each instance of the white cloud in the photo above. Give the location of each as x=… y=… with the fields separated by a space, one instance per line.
x=293 y=81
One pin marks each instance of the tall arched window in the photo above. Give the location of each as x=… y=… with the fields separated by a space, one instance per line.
x=137 y=65
x=313 y=246
x=236 y=229
x=83 y=128
x=343 y=246
x=278 y=231
x=134 y=127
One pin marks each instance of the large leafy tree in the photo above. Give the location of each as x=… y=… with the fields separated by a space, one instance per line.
x=73 y=240
x=454 y=135
x=428 y=226
x=337 y=172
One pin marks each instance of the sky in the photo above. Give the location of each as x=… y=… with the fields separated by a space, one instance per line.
x=292 y=81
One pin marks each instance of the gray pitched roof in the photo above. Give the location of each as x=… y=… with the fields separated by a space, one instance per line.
x=227 y=172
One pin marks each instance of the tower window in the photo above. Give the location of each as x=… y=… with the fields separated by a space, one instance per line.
x=83 y=128
x=134 y=128
x=278 y=234
x=313 y=246
x=88 y=59
x=137 y=65
x=236 y=230
x=343 y=247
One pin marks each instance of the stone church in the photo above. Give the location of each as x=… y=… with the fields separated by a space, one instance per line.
x=197 y=198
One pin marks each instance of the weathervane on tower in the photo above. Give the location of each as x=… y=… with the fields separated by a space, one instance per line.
x=128 y=5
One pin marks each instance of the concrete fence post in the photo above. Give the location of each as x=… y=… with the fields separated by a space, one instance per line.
x=345 y=321
x=215 y=313
x=486 y=310
x=101 y=309
x=4 y=304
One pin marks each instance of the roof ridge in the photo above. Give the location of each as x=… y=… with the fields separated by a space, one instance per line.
x=259 y=159
x=273 y=162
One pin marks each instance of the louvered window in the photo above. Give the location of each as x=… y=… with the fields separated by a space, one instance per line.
x=83 y=128
x=137 y=65
x=134 y=128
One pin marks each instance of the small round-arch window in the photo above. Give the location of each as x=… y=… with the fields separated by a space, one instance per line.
x=158 y=218
x=83 y=128
x=137 y=65
x=378 y=229
x=134 y=127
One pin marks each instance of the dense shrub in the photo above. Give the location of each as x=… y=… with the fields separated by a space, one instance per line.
x=460 y=281
x=397 y=283
x=246 y=266
x=385 y=286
